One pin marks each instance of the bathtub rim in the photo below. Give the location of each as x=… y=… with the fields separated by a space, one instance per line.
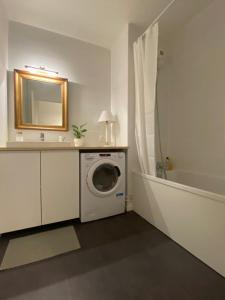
x=196 y=191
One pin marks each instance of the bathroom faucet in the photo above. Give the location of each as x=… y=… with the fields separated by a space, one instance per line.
x=42 y=136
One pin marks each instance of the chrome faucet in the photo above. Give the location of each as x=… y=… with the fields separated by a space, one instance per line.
x=161 y=170
x=42 y=136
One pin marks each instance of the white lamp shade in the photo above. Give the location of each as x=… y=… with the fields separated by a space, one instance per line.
x=106 y=116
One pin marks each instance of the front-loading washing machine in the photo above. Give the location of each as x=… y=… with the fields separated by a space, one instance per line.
x=102 y=184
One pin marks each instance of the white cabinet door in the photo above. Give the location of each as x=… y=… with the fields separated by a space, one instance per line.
x=20 y=205
x=59 y=185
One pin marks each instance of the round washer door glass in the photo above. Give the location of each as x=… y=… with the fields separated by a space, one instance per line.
x=105 y=177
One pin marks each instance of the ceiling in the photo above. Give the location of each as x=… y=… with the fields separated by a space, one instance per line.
x=97 y=21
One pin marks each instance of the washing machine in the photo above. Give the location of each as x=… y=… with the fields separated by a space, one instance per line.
x=102 y=184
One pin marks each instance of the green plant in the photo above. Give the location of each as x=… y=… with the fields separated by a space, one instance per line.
x=79 y=131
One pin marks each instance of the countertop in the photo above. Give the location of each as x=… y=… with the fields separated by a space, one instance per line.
x=40 y=148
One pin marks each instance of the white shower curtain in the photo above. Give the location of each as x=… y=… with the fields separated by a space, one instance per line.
x=145 y=65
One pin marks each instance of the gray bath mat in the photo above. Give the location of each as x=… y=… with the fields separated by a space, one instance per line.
x=39 y=246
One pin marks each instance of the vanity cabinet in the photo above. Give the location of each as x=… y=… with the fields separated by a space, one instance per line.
x=38 y=187
x=20 y=204
x=59 y=185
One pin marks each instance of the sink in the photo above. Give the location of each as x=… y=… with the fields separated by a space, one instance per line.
x=39 y=144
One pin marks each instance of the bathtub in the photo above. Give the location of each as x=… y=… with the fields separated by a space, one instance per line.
x=201 y=181
x=186 y=212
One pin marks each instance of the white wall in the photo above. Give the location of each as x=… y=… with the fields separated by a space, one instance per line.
x=85 y=65
x=123 y=96
x=133 y=164
x=3 y=74
x=192 y=85
x=119 y=85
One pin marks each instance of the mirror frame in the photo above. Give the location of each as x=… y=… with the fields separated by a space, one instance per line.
x=19 y=75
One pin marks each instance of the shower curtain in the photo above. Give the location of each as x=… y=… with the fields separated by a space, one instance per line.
x=145 y=65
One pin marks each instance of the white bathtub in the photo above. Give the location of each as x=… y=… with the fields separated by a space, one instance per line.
x=201 y=181
x=193 y=217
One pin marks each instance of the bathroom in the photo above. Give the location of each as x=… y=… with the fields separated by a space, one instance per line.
x=167 y=229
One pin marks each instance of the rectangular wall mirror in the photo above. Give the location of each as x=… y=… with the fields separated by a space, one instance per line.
x=40 y=101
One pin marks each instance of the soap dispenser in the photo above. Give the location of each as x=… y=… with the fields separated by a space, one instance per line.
x=168 y=164
x=19 y=136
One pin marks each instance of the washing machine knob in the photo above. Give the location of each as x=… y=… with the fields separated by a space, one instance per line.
x=120 y=155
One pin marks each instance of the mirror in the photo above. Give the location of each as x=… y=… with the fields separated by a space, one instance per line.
x=40 y=101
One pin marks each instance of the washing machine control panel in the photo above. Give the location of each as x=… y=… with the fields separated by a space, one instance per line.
x=91 y=155
x=102 y=155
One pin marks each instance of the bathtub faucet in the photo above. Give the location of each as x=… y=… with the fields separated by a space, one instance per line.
x=160 y=169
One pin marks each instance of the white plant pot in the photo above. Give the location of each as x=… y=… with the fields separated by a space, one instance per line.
x=78 y=142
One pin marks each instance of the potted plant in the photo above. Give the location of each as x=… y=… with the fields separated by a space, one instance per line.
x=79 y=134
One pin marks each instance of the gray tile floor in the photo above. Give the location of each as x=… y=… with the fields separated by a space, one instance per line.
x=122 y=257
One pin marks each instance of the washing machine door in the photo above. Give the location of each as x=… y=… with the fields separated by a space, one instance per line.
x=104 y=177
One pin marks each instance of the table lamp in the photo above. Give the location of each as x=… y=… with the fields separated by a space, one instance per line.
x=107 y=118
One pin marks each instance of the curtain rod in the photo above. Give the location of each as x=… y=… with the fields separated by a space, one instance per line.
x=159 y=16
